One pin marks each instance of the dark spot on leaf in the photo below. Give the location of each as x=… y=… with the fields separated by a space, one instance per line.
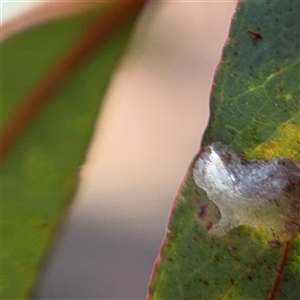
x=205 y=282
x=235 y=53
x=171 y=259
x=195 y=239
x=234 y=248
x=209 y=225
x=274 y=244
x=44 y=225
x=243 y=158
x=255 y=36
x=203 y=210
x=231 y=281
x=250 y=278
x=231 y=131
x=226 y=158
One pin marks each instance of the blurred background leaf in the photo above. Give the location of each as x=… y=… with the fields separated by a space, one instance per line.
x=39 y=172
x=254 y=110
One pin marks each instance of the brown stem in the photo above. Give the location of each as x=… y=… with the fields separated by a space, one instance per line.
x=275 y=288
x=93 y=37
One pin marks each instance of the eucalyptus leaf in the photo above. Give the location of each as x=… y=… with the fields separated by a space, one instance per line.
x=254 y=112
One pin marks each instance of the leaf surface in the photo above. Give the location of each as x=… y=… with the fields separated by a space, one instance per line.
x=255 y=111
x=40 y=171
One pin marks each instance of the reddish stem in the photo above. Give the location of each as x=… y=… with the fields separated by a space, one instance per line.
x=283 y=264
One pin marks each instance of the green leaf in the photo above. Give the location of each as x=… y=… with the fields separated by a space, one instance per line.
x=255 y=111
x=39 y=173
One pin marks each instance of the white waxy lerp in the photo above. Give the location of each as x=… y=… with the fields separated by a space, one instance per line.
x=258 y=193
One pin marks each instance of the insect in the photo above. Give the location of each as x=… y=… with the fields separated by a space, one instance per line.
x=258 y=193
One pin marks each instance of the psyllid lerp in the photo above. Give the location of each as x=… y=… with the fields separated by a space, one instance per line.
x=264 y=194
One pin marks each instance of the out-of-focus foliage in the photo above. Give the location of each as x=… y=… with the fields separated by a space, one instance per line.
x=40 y=172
